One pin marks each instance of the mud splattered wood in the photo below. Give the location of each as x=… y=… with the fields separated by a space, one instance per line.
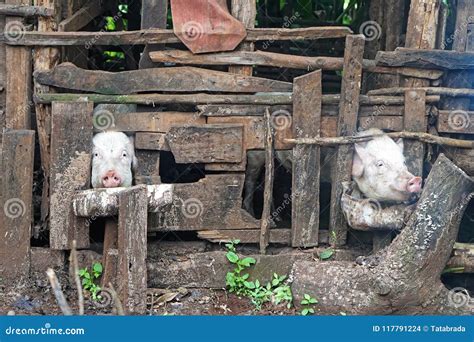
x=16 y=203
x=347 y=125
x=428 y=59
x=456 y=121
x=178 y=79
x=154 y=15
x=268 y=188
x=306 y=166
x=132 y=248
x=214 y=202
x=415 y=121
x=71 y=145
x=206 y=143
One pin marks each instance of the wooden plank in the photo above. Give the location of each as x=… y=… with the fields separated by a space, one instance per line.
x=18 y=75
x=427 y=59
x=456 y=121
x=132 y=249
x=179 y=79
x=214 y=202
x=306 y=161
x=110 y=253
x=16 y=203
x=444 y=91
x=161 y=36
x=148 y=170
x=154 y=15
x=25 y=10
x=71 y=145
x=392 y=123
x=151 y=141
x=82 y=17
x=206 y=143
x=2 y=79
x=271 y=99
x=145 y=121
x=347 y=125
x=415 y=121
x=268 y=187
x=272 y=59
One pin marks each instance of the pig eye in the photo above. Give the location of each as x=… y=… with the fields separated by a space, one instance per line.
x=124 y=155
x=380 y=163
x=96 y=154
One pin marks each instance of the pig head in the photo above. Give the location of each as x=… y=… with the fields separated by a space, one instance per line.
x=380 y=171
x=113 y=158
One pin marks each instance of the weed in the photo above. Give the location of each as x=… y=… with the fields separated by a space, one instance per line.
x=89 y=280
x=307 y=304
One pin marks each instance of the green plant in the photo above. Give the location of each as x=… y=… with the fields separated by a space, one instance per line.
x=89 y=280
x=326 y=254
x=239 y=283
x=307 y=304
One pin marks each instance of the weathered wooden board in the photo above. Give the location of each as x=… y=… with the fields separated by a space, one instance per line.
x=206 y=143
x=110 y=253
x=272 y=59
x=347 y=125
x=132 y=249
x=415 y=121
x=306 y=161
x=154 y=14
x=428 y=59
x=214 y=202
x=151 y=141
x=162 y=36
x=456 y=121
x=148 y=170
x=392 y=123
x=82 y=17
x=266 y=220
x=206 y=25
x=25 y=10
x=179 y=79
x=145 y=121
x=16 y=203
x=71 y=145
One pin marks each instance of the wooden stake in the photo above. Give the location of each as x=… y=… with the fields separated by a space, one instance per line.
x=269 y=178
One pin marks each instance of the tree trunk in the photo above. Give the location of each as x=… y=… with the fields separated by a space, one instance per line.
x=403 y=278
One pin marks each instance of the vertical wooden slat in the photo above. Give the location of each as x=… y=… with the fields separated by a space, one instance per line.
x=307 y=103
x=110 y=253
x=71 y=145
x=18 y=82
x=2 y=75
x=16 y=203
x=269 y=177
x=414 y=120
x=244 y=11
x=154 y=15
x=347 y=125
x=132 y=249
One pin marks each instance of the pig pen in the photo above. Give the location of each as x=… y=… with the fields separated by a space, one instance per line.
x=161 y=242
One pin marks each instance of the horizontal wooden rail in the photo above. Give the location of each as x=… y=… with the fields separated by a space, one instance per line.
x=25 y=11
x=428 y=59
x=452 y=92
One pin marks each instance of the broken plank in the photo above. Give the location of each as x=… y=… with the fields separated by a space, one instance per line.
x=415 y=121
x=456 y=121
x=427 y=59
x=306 y=166
x=347 y=125
x=71 y=145
x=16 y=202
x=206 y=143
x=132 y=249
x=175 y=79
x=82 y=17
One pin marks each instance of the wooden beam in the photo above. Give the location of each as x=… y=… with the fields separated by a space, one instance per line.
x=81 y=18
x=426 y=59
x=154 y=15
x=179 y=79
x=272 y=59
x=25 y=10
x=443 y=91
x=456 y=121
x=415 y=121
x=203 y=98
x=16 y=200
x=280 y=236
x=347 y=125
x=71 y=145
x=268 y=188
x=245 y=11
x=132 y=249
x=306 y=161
x=162 y=36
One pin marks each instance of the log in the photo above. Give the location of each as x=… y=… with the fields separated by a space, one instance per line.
x=306 y=161
x=25 y=10
x=266 y=220
x=16 y=200
x=426 y=59
x=272 y=59
x=202 y=98
x=162 y=36
x=347 y=125
x=429 y=91
x=132 y=249
x=70 y=171
x=403 y=278
x=180 y=79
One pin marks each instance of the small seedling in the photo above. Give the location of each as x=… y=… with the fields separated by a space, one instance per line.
x=89 y=280
x=326 y=254
x=307 y=304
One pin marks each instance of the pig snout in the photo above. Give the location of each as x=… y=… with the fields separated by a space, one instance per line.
x=111 y=180
x=414 y=185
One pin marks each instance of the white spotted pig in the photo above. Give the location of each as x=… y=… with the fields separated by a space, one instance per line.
x=113 y=159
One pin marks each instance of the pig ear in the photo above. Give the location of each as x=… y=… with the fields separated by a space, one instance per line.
x=399 y=143
x=357 y=165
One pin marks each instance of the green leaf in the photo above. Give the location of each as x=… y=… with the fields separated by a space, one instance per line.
x=235 y=242
x=249 y=284
x=307 y=296
x=326 y=254
x=275 y=282
x=245 y=276
x=305 y=302
x=257 y=283
x=98 y=267
x=313 y=301
x=232 y=257
x=305 y=312
x=283 y=277
x=247 y=261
